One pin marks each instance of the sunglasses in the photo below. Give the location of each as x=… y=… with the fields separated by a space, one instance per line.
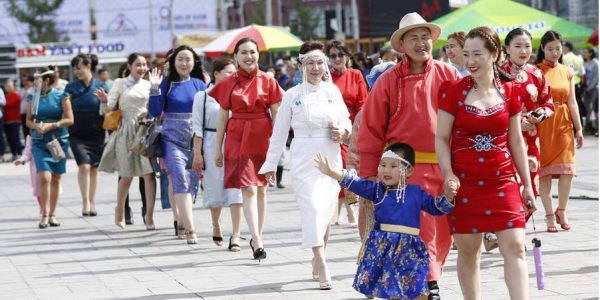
x=334 y=56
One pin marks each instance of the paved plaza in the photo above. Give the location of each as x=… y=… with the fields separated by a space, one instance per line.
x=91 y=258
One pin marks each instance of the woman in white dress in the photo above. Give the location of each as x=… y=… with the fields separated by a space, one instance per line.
x=204 y=121
x=316 y=111
x=131 y=95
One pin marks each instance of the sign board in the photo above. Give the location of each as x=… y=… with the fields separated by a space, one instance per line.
x=73 y=21
x=11 y=30
x=137 y=23
x=384 y=17
x=61 y=53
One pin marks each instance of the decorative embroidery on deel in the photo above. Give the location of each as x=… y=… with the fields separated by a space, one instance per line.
x=483 y=142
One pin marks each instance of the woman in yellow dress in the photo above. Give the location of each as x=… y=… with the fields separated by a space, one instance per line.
x=557 y=141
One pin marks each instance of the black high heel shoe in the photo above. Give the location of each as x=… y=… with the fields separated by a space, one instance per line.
x=258 y=253
x=44 y=222
x=53 y=222
x=233 y=247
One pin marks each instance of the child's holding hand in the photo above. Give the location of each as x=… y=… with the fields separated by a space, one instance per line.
x=395 y=261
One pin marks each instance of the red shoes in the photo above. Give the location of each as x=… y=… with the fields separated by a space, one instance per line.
x=563 y=225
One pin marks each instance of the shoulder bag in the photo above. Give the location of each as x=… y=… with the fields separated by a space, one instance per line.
x=112 y=119
x=152 y=143
x=137 y=144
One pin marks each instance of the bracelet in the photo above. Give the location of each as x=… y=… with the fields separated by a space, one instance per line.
x=56 y=124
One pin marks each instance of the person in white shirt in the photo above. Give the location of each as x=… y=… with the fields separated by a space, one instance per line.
x=321 y=121
x=205 y=113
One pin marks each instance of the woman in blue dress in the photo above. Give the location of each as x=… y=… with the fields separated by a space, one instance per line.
x=86 y=136
x=173 y=98
x=48 y=116
x=395 y=262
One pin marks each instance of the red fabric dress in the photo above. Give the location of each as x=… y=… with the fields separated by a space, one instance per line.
x=353 y=87
x=489 y=198
x=538 y=95
x=248 y=96
x=402 y=107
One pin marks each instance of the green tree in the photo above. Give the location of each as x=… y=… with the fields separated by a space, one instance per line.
x=258 y=15
x=39 y=15
x=305 y=23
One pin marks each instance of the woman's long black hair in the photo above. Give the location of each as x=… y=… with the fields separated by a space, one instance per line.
x=548 y=37
x=197 y=71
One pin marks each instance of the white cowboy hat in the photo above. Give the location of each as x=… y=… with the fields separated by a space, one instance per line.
x=411 y=21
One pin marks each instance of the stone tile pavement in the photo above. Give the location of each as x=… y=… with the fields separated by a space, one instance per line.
x=90 y=258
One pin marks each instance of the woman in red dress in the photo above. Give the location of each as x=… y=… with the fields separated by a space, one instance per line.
x=537 y=103
x=253 y=99
x=353 y=87
x=479 y=144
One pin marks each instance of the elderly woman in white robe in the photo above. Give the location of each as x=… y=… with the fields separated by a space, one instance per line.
x=316 y=111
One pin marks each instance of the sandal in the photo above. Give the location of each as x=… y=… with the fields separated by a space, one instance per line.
x=217 y=239
x=258 y=253
x=559 y=220
x=181 y=233
x=325 y=284
x=53 y=222
x=233 y=247
x=191 y=237
x=43 y=222
x=551 y=226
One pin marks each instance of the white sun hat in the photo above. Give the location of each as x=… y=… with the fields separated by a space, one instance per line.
x=411 y=21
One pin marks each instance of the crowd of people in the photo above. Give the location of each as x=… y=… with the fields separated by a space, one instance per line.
x=432 y=151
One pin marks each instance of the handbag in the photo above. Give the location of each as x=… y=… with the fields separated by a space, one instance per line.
x=113 y=117
x=152 y=145
x=55 y=149
x=190 y=161
x=137 y=144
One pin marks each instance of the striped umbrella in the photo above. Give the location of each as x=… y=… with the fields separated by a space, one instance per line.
x=269 y=38
x=504 y=15
x=593 y=39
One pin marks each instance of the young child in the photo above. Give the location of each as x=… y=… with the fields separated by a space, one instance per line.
x=27 y=156
x=395 y=263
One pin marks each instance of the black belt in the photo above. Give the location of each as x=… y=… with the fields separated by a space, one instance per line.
x=210 y=129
